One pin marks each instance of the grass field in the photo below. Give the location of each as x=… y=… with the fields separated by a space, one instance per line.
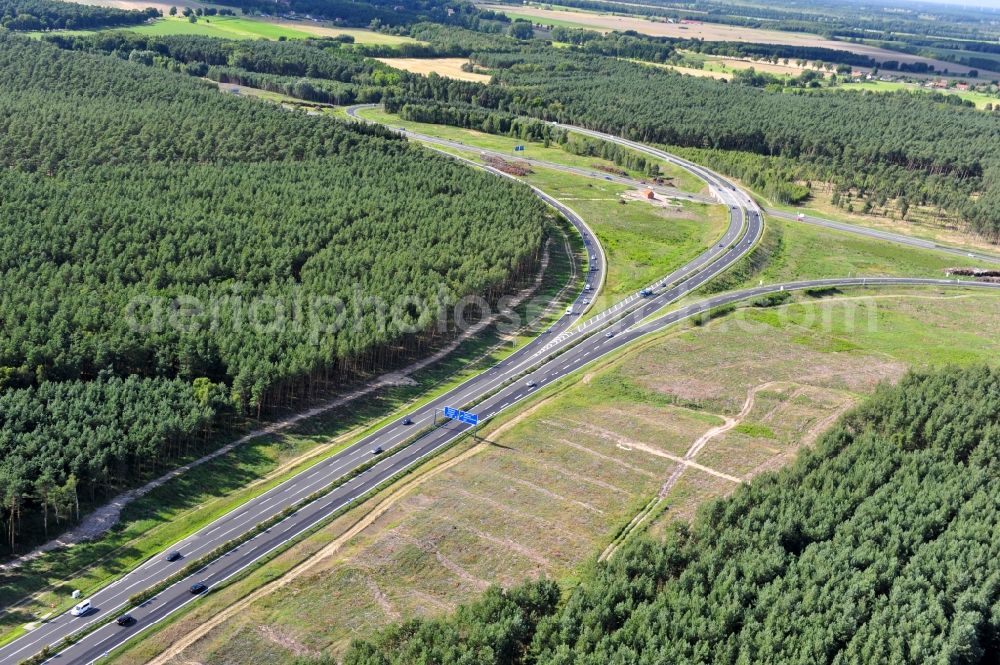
x=554 y=484
x=977 y=98
x=920 y=223
x=534 y=150
x=792 y=251
x=236 y=27
x=810 y=251
x=183 y=505
x=643 y=242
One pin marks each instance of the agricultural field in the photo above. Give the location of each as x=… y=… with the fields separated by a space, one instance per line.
x=550 y=487
x=237 y=27
x=978 y=98
x=713 y=32
x=449 y=67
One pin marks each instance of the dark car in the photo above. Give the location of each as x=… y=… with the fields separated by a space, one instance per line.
x=125 y=620
x=173 y=556
x=377 y=451
x=407 y=421
x=198 y=587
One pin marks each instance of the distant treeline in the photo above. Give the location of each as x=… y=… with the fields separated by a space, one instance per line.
x=56 y=15
x=314 y=70
x=878 y=545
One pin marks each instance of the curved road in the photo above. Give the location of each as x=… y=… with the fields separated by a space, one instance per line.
x=566 y=347
x=674 y=193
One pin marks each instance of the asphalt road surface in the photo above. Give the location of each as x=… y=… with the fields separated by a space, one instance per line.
x=567 y=346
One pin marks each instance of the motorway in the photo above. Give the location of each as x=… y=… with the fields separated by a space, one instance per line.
x=568 y=345
x=740 y=235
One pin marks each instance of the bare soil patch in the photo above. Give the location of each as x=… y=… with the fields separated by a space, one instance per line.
x=450 y=67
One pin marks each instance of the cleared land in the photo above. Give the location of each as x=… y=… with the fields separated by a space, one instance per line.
x=449 y=67
x=712 y=32
x=552 y=485
x=163 y=6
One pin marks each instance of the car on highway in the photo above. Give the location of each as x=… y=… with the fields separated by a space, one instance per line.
x=125 y=620
x=645 y=293
x=569 y=310
x=609 y=334
x=586 y=301
x=407 y=421
x=530 y=384
x=173 y=556
x=588 y=287
x=198 y=587
x=377 y=450
x=81 y=609
x=593 y=267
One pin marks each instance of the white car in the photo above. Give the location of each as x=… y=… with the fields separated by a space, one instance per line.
x=569 y=310
x=80 y=608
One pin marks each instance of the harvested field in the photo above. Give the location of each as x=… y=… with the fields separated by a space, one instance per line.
x=450 y=67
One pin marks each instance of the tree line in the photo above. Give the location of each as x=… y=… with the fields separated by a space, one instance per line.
x=878 y=545
x=164 y=232
x=56 y=15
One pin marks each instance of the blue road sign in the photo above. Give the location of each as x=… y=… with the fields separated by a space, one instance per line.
x=519 y=148
x=463 y=416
